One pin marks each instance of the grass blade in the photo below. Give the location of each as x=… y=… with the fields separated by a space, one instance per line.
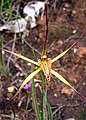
x=82 y=115
x=1 y=6
x=20 y=56
x=35 y=101
x=43 y=109
x=2 y=65
x=27 y=80
x=49 y=110
x=44 y=102
x=67 y=83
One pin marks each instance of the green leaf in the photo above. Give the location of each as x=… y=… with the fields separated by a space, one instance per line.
x=43 y=106
x=49 y=110
x=35 y=101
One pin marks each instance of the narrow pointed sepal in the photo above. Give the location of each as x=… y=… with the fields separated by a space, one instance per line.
x=67 y=83
x=27 y=80
x=60 y=55
x=21 y=56
x=63 y=53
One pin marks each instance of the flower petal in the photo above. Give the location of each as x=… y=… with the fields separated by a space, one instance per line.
x=63 y=53
x=27 y=80
x=67 y=83
x=60 y=55
x=27 y=86
x=20 y=56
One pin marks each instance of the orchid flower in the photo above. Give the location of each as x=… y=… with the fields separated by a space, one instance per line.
x=45 y=64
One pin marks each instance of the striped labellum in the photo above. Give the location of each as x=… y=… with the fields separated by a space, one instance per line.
x=45 y=65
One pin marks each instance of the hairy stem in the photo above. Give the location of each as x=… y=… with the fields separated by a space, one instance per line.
x=46 y=36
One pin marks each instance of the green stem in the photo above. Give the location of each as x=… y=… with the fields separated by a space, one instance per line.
x=44 y=101
x=35 y=101
x=2 y=66
x=1 y=6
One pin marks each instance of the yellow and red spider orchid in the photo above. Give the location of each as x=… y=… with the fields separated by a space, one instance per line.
x=45 y=64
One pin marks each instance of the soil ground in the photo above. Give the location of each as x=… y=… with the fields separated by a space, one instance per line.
x=65 y=18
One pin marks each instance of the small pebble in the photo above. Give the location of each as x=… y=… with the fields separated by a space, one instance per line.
x=21 y=74
x=55 y=95
x=74 y=12
x=3 y=52
x=75 y=50
x=74 y=31
x=84 y=83
x=10 y=89
x=37 y=84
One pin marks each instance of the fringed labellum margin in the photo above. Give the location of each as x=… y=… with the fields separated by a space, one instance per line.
x=45 y=65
